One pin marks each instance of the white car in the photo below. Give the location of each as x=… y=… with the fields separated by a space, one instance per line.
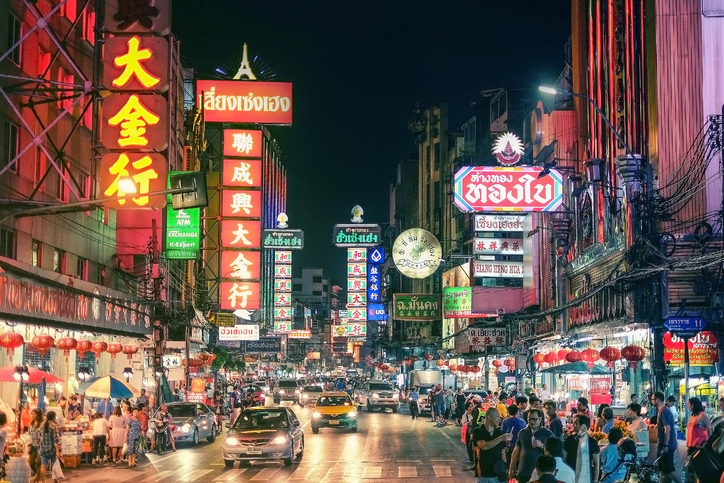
x=309 y=394
x=286 y=390
x=377 y=394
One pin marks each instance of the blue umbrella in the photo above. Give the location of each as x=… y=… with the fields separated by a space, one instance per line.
x=41 y=395
x=108 y=387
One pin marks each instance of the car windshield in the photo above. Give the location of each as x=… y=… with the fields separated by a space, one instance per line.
x=423 y=391
x=380 y=387
x=334 y=401
x=253 y=389
x=312 y=389
x=261 y=420
x=183 y=411
x=287 y=383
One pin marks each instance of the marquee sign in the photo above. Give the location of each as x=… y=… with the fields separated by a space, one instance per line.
x=245 y=101
x=300 y=334
x=496 y=269
x=479 y=188
x=242 y=142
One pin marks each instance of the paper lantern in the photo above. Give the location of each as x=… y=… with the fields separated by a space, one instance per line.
x=497 y=363
x=476 y=369
x=574 y=356
x=440 y=363
x=610 y=355
x=540 y=358
x=384 y=367
x=510 y=362
x=43 y=343
x=11 y=341
x=551 y=357
x=129 y=350
x=84 y=345
x=453 y=367
x=633 y=354
x=98 y=348
x=113 y=349
x=590 y=356
x=66 y=344
x=563 y=353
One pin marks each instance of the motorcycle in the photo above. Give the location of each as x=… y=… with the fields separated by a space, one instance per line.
x=160 y=435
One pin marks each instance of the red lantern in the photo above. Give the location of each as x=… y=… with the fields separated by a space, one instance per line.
x=384 y=367
x=113 y=349
x=574 y=356
x=510 y=362
x=11 y=341
x=193 y=362
x=476 y=369
x=540 y=357
x=590 y=356
x=84 y=345
x=66 y=344
x=633 y=354
x=497 y=363
x=428 y=357
x=43 y=343
x=98 y=348
x=551 y=357
x=563 y=353
x=610 y=355
x=440 y=363
x=130 y=349
x=453 y=367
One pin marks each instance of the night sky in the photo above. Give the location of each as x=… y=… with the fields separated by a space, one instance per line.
x=358 y=68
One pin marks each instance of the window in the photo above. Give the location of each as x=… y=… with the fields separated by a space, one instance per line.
x=62 y=188
x=89 y=25
x=84 y=181
x=69 y=10
x=14 y=34
x=11 y=142
x=58 y=261
x=297 y=287
x=7 y=243
x=43 y=63
x=82 y=268
x=65 y=94
x=101 y=275
x=36 y=255
x=40 y=164
x=317 y=292
x=317 y=279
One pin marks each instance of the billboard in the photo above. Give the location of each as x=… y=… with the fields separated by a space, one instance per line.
x=411 y=306
x=245 y=101
x=242 y=142
x=265 y=345
x=480 y=188
x=239 y=332
x=496 y=269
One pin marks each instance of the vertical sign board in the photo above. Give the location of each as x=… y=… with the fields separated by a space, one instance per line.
x=283 y=299
x=357 y=295
x=375 y=259
x=183 y=230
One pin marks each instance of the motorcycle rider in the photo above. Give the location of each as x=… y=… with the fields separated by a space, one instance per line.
x=165 y=417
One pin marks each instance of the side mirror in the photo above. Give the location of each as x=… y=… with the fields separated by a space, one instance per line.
x=296 y=423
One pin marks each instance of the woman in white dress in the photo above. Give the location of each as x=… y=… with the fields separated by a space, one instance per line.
x=117 y=424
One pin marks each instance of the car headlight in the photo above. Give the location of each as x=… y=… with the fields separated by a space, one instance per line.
x=352 y=414
x=186 y=428
x=304 y=396
x=375 y=395
x=281 y=391
x=316 y=415
x=231 y=441
x=296 y=391
x=279 y=440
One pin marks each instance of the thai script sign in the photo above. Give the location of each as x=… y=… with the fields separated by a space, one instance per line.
x=239 y=332
x=416 y=253
x=356 y=235
x=245 y=101
x=265 y=345
x=531 y=329
x=479 y=188
x=412 y=306
x=287 y=239
x=488 y=337
x=600 y=390
x=498 y=222
x=224 y=319
x=495 y=269
x=497 y=246
x=242 y=142
x=703 y=349
x=457 y=302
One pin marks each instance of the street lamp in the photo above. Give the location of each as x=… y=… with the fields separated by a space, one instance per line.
x=127 y=373
x=83 y=374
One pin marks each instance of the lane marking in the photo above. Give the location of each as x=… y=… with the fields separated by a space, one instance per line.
x=407 y=471
x=196 y=475
x=265 y=474
x=152 y=479
x=230 y=475
x=442 y=471
x=301 y=474
x=370 y=472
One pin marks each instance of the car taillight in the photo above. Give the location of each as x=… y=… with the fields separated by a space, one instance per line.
x=172 y=427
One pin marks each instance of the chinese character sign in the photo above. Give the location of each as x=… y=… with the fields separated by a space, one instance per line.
x=242 y=142
x=282 y=313
x=282 y=285
x=124 y=17
x=134 y=122
x=244 y=265
x=136 y=63
x=356 y=255
x=497 y=246
x=356 y=299
x=480 y=338
x=357 y=269
x=356 y=329
x=240 y=234
x=240 y=173
x=282 y=256
x=282 y=327
x=237 y=203
x=357 y=284
x=147 y=171
x=240 y=295
x=417 y=307
x=374 y=283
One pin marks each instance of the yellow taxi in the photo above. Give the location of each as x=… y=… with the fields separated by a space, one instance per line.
x=334 y=410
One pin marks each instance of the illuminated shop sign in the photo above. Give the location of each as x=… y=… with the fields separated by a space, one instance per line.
x=245 y=101
x=495 y=269
x=147 y=171
x=240 y=295
x=242 y=265
x=237 y=203
x=241 y=173
x=242 y=142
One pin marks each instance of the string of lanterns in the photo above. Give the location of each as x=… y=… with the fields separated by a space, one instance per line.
x=12 y=340
x=633 y=354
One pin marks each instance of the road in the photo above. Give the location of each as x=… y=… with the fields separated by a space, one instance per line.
x=387 y=447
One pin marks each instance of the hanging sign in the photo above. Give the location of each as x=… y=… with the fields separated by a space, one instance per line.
x=497 y=246
x=244 y=265
x=242 y=142
x=410 y=306
x=238 y=203
x=495 y=269
x=245 y=101
x=136 y=63
x=600 y=390
x=457 y=302
x=183 y=233
x=356 y=255
x=356 y=235
x=498 y=223
x=357 y=284
x=416 y=253
x=356 y=329
x=703 y=349
x=239 y=332
x=286 y=239
x=488 y=337
x=240 y=295
x=240 y=234
x=147 y=171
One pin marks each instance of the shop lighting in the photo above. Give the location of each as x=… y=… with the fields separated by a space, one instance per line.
x=127 y=373
x=84 y=374
x=632 y=333
x=21 y=373
x=584 y=339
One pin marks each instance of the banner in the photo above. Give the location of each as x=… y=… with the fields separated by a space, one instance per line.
x=239 y=332
x=411 y=306
x=600 y=390
x=703 y=349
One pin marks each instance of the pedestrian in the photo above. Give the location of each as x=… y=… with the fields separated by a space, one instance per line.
x=105 y=407
x=599 y=422
x=612 y=465
x=144 y=417
x=440 y=406
x=467 y=421
x=35 y=438
x=522 y=403
x=666 y=431
x=555 y=425
x=529 y=446
x=636 y=423
x=459 y=406
x=412 y=399
x=582 y=408
x=432 y=403
x=698 y=429
x=448 y=404
x=563 y=473
x=218 y=404
x=26 y=417
x=133 y=434
x=49 y=444
x=512 y=424
x=142 y=399
x=100 y=436
x=671 y=403
x=582 y=452
x=607 y=420
x=117 y=426
x=489 y=442
x=545 y=467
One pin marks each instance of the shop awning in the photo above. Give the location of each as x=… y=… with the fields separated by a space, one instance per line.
x=576 y=368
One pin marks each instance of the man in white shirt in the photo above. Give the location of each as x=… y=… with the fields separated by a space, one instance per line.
x=554 y=447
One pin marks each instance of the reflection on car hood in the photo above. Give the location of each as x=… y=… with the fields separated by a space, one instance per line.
x=244 y=434
x=181 y=421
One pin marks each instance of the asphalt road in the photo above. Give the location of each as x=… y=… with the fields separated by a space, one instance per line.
x=387 y=447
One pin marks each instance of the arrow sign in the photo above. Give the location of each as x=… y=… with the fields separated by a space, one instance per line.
x=685 y=324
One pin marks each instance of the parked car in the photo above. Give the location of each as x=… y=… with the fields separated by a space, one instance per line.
x=334 y=410
x=309 y=394
x=286 y=390
x=377 y=394
x=264 y=433
x=190 y=422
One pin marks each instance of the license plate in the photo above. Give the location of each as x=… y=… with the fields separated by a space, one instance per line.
x=333 y=421
x=253 y=450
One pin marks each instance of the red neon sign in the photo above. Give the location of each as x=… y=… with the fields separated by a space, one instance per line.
x=238 y=203
x=240 y=295
x=242 y=142
x=245 y=101
x=240 y=265
x=240 y=234
x=241 y=173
